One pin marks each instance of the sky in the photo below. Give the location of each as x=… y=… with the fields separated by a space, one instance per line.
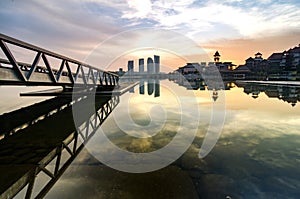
x=106 y=33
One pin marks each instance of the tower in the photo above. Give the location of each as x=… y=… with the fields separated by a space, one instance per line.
x=157 y=64
x=141 y=65
x=258 y=56
x=150 y=66
x=217 y=57
x=130 y=66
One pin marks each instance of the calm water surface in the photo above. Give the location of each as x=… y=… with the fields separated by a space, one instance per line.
x=257 y=155
x=10 y=99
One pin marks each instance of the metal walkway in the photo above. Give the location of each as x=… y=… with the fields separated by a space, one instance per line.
x=67 y=72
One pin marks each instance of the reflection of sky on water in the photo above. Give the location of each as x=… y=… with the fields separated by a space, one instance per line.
x=10 y=97
x=257 y=156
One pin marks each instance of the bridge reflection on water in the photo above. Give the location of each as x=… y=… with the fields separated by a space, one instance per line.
x=42 y=138
x=48 y=144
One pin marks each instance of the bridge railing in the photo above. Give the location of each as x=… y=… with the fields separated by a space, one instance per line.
x=15 y=72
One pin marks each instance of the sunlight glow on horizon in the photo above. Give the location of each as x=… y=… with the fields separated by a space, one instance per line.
x=236 y=28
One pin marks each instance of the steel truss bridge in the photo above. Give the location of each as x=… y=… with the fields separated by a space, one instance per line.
x=64 y=72
x=28 y=146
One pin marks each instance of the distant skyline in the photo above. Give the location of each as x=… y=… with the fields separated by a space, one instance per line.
x=236 y=28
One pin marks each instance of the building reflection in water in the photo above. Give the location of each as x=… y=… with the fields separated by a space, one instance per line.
x=198 y=84
x=131 y=90
x=152 y=87
x=157 y=88
x=286 y=93
x=142 y=87
x=215 y=95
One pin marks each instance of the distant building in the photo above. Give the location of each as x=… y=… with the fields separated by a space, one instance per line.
x=217 y=57
x=203 y=64
x=130 y=66
x=250 y=62
x=254 y=62
x=211 y=64
x=291 y=58
x=225 y=66
x=241 y=72
x=279 y=66
x=150 y=66
x=153 y=66
x=222 y=65
x=295 y=56
x=189 y=68
x=141 y=65
x=258 y=67
x=275 y=62
x=285 y=65
x=258 y=57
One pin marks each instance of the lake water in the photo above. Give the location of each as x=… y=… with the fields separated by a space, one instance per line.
x=10 y=97
x=256 y=156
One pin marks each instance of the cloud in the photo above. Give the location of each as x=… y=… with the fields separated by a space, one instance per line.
x=148 y=39
x=140 y=8
x=67 y=28
x=249 y=20
x=74 y=28
x=274 y=124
